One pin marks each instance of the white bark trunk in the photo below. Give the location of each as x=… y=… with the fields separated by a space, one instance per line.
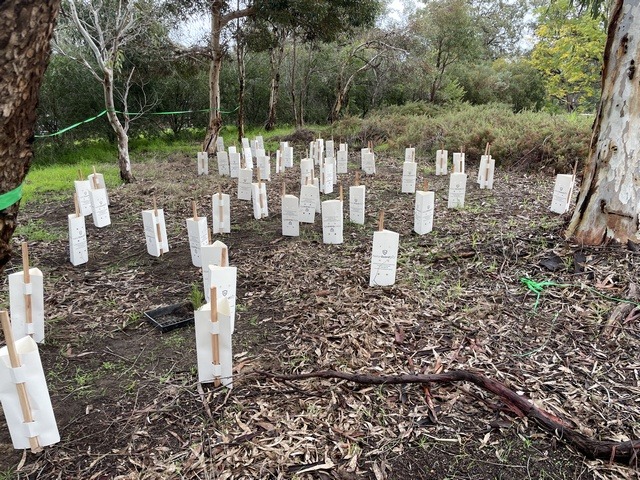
x=609 y=200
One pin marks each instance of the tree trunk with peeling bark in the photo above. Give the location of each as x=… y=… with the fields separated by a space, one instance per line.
x=609 y=201
x=25 y=35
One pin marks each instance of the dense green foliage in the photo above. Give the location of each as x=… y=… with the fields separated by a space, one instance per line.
x=440 y=55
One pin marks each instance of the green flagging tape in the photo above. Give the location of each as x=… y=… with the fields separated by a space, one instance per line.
x=538 y=287
x=66 y=129
x=9 y=198
x=180 y=112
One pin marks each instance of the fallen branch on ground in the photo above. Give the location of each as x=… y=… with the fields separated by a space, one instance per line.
x=623 y=452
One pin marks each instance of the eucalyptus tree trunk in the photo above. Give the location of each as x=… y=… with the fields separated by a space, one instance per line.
x=215 y=116
x=609 y=200
x=240 y=52
x=292 y=91
x=122 y=138
x=276 y=54
x=219 y=20
x=26 y=27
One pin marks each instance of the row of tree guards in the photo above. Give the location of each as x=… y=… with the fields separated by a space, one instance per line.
x=23 y=389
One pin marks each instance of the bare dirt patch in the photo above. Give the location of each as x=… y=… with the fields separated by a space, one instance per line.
x=126 y=396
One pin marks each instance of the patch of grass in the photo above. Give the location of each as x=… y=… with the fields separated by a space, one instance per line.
x=56 y=181
x=37 y=231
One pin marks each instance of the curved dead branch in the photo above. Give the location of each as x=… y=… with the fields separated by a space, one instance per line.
x=623 y=452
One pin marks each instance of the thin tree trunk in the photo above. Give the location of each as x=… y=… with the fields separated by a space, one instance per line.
x=609 y=200
x=275 y=60
x=124 y=162
x=294 y=106
x=240 y=51
x=25 y=33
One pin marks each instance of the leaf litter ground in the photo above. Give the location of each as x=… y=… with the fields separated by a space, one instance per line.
x=127 y=399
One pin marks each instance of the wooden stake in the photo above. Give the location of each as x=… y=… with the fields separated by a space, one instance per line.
x=195 y=211
x=260 y=201
x=26 y=278
x=341 y=193
x=215 y=338
x=95 y=179
x=425 y=185
x=224 y=257
x=76 y=204
x=381 y=221
x=14 y=359
x=158 y=229
x=358 y=178
x=220 y=208
x=284 y=189
x=80 y=175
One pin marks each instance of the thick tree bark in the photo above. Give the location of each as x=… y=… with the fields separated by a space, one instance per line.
x=25 y=33
x=609 y=200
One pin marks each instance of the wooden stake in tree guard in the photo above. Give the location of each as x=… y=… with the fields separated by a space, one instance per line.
x=234 y=163
x=563 y=192
x=442 y=161
x=222 y=158
x=288 y=156
x=264 y=166
x=23 y=392
x=221 y=212
x=487 y=168
x=308 y=197
x=306 y=170
x=99 y=202
x=215 y=254
x=26 y=299
x=291 y=214
x=225 y=279
x=458 y=161
x=423 y=210
x=384 y=255
x=409 y=154
x=342 y=159
x=259 y=199
x=82 y=188
x=457 y=190
x=213 y=341
x=198 y=235
x=97 y=181
x=368 y=161
x=203 y=163
x=155 y=230
x=332 y=222
x=357 y=194
x=78 y=251
x=409 y=176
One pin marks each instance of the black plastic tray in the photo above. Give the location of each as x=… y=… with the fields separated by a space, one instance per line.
x=170 y=317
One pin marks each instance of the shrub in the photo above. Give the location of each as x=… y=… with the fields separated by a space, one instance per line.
x=529 y=140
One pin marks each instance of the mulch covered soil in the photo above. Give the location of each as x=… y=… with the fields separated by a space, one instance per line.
x=129 y=406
